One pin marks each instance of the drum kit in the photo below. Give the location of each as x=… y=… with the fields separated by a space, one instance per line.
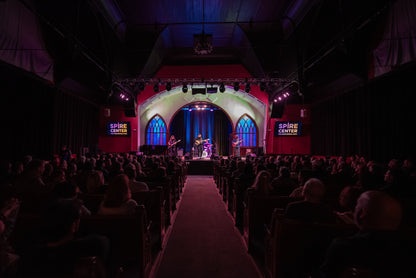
x=207 y=150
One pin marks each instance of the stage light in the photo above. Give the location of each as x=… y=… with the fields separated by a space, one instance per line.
x=168 y=86
x=211 y=110
x=247 y=88
x=262 y=86
x=279 y=98
x=222 y=88
x=156 y=88
x=184 y=88
x=236 y=86
x=275 y=100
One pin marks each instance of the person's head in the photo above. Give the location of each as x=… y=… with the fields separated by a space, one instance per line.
x=130 y=171
x=199 y=135
x=304 y=175
x=262 y=183
x=348 y=197
x=65 y=190
x=313 y=190
x=94 y=181
x=172 y=137
x=61 y=219
x=236 y=136
x=36 y=167
x=118 y=191
x=284 y=172
x=376 y=210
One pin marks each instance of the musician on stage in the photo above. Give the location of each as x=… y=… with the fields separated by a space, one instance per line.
x=172 y=147
x=199 y=145
x=236 y=145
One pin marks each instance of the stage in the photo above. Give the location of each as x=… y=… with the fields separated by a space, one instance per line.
x=200 y=166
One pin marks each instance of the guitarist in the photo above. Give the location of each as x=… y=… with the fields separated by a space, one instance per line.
x=199 y=145
x=172 y=147
x=236 y=145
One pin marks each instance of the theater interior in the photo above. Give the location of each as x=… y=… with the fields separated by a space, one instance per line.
x=99 y=95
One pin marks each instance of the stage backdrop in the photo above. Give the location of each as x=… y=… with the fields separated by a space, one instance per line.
x=212 y=125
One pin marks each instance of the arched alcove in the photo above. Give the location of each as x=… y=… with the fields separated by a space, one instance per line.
x=234 y=103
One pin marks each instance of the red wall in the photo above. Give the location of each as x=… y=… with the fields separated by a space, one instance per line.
x=291 y=144
x=117 y=144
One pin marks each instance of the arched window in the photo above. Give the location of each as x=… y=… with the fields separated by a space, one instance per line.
x=156 y=131
x=246 y=130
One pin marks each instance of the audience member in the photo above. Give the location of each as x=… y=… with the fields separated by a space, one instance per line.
x=117 y=200
x=311 y=209
x=135 y=186
x=378 y=246
x=283 y=185
x=262 y=184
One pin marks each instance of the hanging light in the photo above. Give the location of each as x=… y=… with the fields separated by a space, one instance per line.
x=184 y=88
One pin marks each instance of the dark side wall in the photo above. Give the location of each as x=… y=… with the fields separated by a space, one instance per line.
x=37 y=118
x=376 y=120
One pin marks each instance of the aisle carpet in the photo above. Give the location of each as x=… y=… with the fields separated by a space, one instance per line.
x=204 y=242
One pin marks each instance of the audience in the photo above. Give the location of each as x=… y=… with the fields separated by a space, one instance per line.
x=378 y=246
x=58 y=247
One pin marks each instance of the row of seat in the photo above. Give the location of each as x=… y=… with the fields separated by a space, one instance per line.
x=285 y=248
x=135 y=239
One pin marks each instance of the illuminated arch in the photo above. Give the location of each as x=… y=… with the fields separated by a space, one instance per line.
x=156 y=131
x=247 y=130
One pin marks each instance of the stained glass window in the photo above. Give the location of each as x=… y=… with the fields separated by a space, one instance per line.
x=246 y=130
x=156 y=131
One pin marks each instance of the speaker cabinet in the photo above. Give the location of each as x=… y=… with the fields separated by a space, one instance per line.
x=278 y=109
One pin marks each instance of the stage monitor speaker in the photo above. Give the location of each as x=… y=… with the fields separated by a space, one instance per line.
x=130 y=112
x=130 y=109
x=278 y=109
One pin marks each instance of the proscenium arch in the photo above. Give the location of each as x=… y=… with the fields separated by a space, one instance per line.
x=234 y=103
x=255 y=124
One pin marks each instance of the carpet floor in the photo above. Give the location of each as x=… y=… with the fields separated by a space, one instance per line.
x=203 y=241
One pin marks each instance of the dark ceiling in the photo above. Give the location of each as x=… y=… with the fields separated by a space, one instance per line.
x=313 y=41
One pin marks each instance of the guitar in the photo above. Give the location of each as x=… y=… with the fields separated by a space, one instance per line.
x=238 y=142
x=197 y=142
x=173 y=144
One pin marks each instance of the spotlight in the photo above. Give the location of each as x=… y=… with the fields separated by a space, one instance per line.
x=262 y=86
x=168 y=86
x=222 y=88
x=156 y=88
x=236 y=86
x=247 y=88
x=184 y=88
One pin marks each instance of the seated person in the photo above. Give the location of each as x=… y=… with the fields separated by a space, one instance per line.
x=347 y=202
x=8 y=258
x=311 y=209
x=58 y=247
x=135 y=186
x=69 y=191
x=303 y=176
x=262 y=183
x=378 y=246
x=117 y=200
x=283 y=185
